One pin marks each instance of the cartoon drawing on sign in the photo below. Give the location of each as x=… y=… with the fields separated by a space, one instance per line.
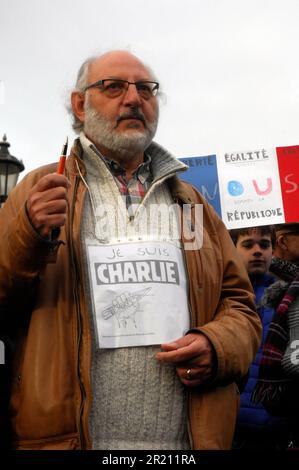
x=125 y=306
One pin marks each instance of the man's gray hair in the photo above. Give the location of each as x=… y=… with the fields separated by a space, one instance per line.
x=82 y=82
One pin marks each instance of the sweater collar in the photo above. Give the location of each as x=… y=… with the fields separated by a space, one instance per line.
x=179 y=189
x=161 y=161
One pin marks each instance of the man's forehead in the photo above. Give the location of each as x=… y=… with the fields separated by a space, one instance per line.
x=118 y=64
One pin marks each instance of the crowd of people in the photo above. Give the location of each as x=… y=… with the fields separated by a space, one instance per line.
x=122 y=334
x=266 y=417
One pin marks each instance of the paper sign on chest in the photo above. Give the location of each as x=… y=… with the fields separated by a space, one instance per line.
x=139 y=293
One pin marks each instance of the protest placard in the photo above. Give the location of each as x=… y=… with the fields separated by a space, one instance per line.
x=249 y=188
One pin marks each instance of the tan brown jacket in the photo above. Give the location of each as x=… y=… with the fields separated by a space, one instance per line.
x=41 y=290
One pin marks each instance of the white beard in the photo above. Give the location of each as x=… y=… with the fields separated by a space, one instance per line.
x=101 y=131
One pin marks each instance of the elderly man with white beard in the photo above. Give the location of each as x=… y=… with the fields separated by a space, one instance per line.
x=134 y=317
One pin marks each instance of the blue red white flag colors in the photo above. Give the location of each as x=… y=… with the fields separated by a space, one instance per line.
x=249 y=188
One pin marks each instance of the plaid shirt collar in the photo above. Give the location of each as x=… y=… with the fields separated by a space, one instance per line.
x=142 y=173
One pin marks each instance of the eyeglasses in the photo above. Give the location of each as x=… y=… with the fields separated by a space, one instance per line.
x=115 y=88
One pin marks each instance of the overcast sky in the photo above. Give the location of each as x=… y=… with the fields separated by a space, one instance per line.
x=229 y=69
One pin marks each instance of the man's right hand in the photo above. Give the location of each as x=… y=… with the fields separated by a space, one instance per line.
x=47 y=203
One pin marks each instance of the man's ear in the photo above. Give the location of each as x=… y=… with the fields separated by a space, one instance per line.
x=78 y=100
x=281 y=242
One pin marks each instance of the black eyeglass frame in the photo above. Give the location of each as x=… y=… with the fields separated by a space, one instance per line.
x=100 y=83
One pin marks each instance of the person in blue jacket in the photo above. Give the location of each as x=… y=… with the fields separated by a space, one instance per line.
x=255 y=427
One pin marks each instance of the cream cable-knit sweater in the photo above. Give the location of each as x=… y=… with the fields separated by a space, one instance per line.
x=138 y=403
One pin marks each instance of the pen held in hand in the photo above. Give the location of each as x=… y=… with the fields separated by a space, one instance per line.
x=62 y=159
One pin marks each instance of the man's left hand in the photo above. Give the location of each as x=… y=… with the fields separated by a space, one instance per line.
x=194 y=358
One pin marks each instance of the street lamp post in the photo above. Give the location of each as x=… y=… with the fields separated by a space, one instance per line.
x=10 y=167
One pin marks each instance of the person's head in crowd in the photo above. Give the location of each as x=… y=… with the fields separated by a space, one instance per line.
x=287 y=242
x=255 y=246
x=116 y=104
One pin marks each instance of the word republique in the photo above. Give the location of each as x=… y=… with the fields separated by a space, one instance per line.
x=247 y=215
